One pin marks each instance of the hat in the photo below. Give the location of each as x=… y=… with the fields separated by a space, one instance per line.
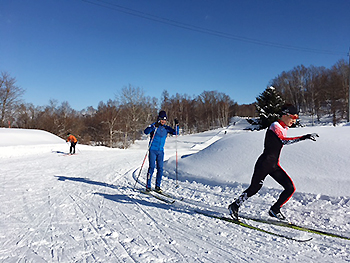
x=289 y=109
x=162 y=115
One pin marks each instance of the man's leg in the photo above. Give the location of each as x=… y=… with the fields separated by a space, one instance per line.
x=160 y=161
x=261 y=170
x=259 y=175
x=286 y=182
x=152 y=163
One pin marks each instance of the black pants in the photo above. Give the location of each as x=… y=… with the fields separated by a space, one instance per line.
x=72 y=147
x=267 y=165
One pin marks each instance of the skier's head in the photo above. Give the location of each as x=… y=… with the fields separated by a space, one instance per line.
x=68 y=133
x=289 y=109
x=162 y=115
x=289 y=114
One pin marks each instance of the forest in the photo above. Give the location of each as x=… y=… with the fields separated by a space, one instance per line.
x=118 y=122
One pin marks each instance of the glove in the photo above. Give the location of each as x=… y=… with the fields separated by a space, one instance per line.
x=157 y=124
x=176 y=122
x=311 y=136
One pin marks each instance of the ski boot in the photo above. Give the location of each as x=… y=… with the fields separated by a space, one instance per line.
x=233 y=209
x=158 y=190
x=275 y=212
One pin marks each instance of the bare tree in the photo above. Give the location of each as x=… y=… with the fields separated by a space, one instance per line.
x=342 y=69
x=136 y=109
x=245 y=110
x=224 y=104
x=110 y=114
x=26 y=115
x=336 y=92
x=9 y=97
x=180 y=107
x=316 y=90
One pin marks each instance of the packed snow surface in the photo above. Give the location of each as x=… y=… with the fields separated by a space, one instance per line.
x=84 y=208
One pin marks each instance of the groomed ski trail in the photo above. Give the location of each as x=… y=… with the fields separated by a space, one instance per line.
x=52 y=228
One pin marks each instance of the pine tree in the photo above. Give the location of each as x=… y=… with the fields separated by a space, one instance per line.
x=268 y=106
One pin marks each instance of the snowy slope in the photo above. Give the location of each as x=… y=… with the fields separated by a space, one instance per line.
x=15 y=142
x=83 y=208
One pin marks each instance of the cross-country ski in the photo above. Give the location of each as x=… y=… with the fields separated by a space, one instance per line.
x=295 y=226
x=247 y=225
x=159 y=196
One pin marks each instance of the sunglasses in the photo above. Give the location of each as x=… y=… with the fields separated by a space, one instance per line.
x=293 y=116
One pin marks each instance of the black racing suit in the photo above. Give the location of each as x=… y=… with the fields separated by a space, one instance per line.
x=268 y=163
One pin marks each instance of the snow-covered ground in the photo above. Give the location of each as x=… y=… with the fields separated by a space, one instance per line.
x=83 y=208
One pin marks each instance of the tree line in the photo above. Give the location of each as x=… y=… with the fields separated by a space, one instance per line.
x=120 y=121
x=317 y=91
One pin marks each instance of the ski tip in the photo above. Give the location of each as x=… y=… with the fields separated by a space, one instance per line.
x=300 y=240
x=307 y=240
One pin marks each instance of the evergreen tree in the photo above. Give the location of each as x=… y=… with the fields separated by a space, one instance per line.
x=268 y=106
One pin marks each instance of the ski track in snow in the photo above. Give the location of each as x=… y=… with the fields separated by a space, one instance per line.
x=84 y=208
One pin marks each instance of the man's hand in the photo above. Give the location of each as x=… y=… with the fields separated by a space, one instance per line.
x=311 y=136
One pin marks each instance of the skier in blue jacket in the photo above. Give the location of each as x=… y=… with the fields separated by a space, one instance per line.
x=158 y=131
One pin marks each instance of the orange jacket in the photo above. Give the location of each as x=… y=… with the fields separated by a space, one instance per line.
x=71 y=138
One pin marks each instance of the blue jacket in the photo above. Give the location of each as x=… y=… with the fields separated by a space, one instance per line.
x=160 y=136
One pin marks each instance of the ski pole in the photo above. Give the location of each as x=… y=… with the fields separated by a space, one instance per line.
x=77 y=148
x=144 y=159
x=176 y=126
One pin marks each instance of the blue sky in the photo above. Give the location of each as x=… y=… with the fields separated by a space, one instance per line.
x=85 y=52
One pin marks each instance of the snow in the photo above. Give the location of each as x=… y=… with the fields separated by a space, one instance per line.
x=84 y=208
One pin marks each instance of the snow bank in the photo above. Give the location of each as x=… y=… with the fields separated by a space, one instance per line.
x=315 y=167
x=15 y=137
x=19 y=142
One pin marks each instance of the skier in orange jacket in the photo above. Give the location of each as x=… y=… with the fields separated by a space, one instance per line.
x=73 y=141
